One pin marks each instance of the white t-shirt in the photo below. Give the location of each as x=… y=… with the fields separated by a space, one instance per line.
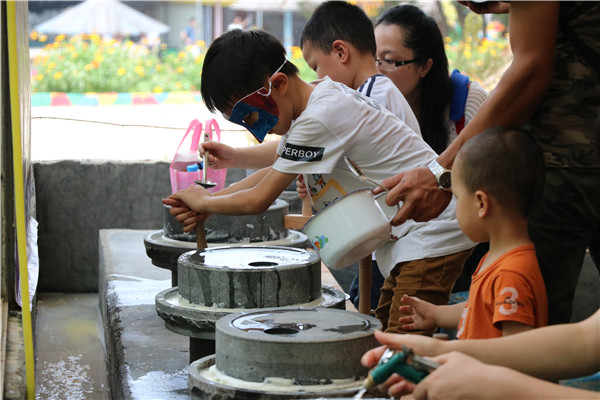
x=338 y=122
x=381 y=88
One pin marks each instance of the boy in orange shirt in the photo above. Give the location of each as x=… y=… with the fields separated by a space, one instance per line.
x=497 y=179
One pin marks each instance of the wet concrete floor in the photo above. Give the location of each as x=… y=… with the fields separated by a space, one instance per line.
x=70 y=353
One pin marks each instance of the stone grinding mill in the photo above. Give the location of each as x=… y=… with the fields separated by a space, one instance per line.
x=164 y=246
x=284 y=353
x=223 y=280
x=285 y=309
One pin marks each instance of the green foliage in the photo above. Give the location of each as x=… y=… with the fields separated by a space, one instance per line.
x=481 y=61
x=90 y=64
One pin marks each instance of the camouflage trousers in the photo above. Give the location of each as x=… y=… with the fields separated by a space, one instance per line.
x=562 y=227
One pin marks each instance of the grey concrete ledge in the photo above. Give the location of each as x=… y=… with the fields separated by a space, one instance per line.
x=144 y=359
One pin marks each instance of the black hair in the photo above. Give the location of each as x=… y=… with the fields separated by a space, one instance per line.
x=339 y=20
x=238 y=63
x=422 y=35
x=507 y=163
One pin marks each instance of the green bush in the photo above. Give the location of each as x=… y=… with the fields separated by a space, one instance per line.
x=86 y=63
x=481 y=61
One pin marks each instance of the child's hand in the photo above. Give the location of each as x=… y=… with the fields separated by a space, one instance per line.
x=187 y=206
x=183 y=214
x=301 y=187
x=220 y=155
x=422 y=345
x=421 y=314
x=463 y=377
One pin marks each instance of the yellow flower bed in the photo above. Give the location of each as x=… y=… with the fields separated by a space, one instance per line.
x=88 y=63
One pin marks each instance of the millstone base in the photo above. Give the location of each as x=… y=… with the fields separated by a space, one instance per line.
x=196 y=321
x=164 y=251
x=314 y=346
x=208 y=384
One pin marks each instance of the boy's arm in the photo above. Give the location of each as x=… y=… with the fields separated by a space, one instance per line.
x=553 y=352
x=252 y=157
x=253 y=195
x=448 y=317
x=512 y=327
x=463 y=377
x=248 y=182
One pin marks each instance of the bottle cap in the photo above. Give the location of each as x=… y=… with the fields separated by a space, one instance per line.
x=192 y=168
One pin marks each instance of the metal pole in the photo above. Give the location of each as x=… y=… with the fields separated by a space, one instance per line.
x=288 y=31
x=200 y=20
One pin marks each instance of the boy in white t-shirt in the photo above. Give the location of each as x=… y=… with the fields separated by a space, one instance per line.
x=247 y=77
x=345 y=52
x=339 y=41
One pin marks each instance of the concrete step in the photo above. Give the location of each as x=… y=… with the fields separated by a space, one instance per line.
x=70 y=355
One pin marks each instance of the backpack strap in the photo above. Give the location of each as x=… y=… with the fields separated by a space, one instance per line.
x=460 y=89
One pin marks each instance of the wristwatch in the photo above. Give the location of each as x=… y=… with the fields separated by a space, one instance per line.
x=442 y=175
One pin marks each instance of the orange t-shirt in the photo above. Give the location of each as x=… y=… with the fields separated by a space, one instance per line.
x=511 y=289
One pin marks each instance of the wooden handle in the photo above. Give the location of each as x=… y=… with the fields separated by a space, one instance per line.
x=296 y=221
x=306 y=207
x=364 y=285
x=200 y=236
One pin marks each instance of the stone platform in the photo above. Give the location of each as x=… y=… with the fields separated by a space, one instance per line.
x=144 y=359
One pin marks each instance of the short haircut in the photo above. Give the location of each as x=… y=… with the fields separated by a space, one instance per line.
x=508 y=164
x=238 y=63
x=339 y=20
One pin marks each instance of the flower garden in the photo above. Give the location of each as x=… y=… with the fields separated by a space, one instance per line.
x=90 y=64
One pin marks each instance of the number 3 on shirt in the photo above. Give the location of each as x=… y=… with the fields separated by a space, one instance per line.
x=510 y=304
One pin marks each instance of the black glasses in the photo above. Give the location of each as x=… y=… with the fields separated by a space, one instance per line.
x=391 y=65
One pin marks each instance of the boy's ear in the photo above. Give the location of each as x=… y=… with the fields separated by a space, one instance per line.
x=483 y=203
x=280 y=82
x=341 y=50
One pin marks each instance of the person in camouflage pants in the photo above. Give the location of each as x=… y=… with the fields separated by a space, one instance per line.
x=552 y=86
x=568 y=217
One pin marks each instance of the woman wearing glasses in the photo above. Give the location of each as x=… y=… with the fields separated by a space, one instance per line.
x=410 y=51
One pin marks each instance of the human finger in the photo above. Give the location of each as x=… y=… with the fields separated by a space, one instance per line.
x=178 y=210
x=391 y=184
x=372 y=357
x=190 y=227
x=399 y=387
x=172 y=202
x=404 y=213
x=182 y=217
